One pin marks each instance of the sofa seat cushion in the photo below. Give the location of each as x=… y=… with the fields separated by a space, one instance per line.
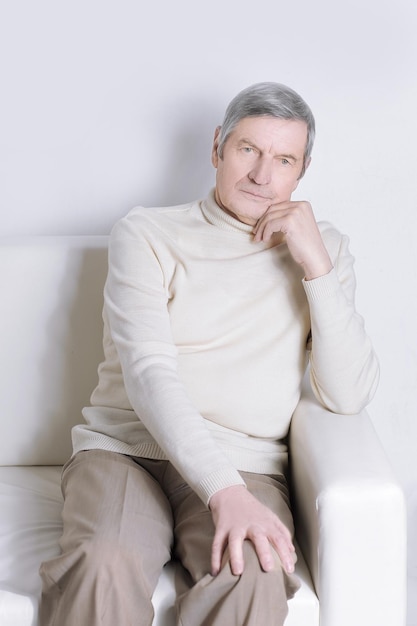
x=30 y=527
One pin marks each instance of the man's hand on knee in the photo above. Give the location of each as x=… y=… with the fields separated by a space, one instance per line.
x=238 y=516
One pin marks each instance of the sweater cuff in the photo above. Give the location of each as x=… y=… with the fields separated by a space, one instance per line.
x=216 y=481
x=326 y=286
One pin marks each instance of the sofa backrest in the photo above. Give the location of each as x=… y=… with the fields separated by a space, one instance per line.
x=51 y=342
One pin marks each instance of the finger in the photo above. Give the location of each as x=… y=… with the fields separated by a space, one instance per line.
x=258 y=231
x=286 y=551
x=273 y=221
x=217 y=550
x=260 y=228
x=237 y=563
x=264 y=552
x=267 y=228
x=262 y=221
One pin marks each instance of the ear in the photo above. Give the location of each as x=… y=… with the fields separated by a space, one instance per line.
x=214 y=155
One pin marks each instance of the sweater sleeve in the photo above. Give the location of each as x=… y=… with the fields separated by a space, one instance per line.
x=136 y=301
x=344 y=370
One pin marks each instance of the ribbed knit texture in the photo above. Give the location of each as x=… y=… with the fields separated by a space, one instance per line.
x=205 y=341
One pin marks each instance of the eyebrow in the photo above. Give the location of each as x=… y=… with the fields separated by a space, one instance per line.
x=244 y=141
x=290 y=157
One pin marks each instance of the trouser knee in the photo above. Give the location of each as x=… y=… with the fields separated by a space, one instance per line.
x=97 y=583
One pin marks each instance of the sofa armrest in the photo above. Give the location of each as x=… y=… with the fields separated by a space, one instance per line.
x=350 y=517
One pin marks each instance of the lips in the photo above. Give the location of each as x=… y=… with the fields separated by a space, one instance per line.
x=256 y=196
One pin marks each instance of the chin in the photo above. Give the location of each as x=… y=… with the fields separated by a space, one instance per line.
x=247 y=211
x=249 y=218
x=254 y=212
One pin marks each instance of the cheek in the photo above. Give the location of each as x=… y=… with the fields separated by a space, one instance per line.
x=285 y=186
x=236 y=175
x=228 y=177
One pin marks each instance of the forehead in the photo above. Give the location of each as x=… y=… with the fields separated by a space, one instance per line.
x=271 y=133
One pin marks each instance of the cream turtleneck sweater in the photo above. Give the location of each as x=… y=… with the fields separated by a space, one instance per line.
x=206 y=340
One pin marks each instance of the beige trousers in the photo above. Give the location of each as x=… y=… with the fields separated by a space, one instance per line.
x=123 y=520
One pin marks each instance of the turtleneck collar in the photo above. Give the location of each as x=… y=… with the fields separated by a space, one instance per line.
x=218 y=217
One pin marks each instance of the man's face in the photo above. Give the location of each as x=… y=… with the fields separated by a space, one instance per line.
x=261 y=165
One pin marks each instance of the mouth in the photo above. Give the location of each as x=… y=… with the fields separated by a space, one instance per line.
x=256 y=196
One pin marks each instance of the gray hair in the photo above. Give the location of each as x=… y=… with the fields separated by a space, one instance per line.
x=268 y=100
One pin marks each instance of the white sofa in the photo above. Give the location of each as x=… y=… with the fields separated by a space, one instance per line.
x=350 y=514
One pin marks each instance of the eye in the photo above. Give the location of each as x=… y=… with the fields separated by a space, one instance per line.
x=247 y=149
x=285 y=161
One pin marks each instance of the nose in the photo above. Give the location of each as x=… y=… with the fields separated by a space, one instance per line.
x=261 y=171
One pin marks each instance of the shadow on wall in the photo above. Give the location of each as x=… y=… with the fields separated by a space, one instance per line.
x=185 y=165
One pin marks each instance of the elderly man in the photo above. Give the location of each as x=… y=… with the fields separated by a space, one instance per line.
x=212 y=312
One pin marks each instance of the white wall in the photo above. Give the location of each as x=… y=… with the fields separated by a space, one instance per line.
x=105 y=105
